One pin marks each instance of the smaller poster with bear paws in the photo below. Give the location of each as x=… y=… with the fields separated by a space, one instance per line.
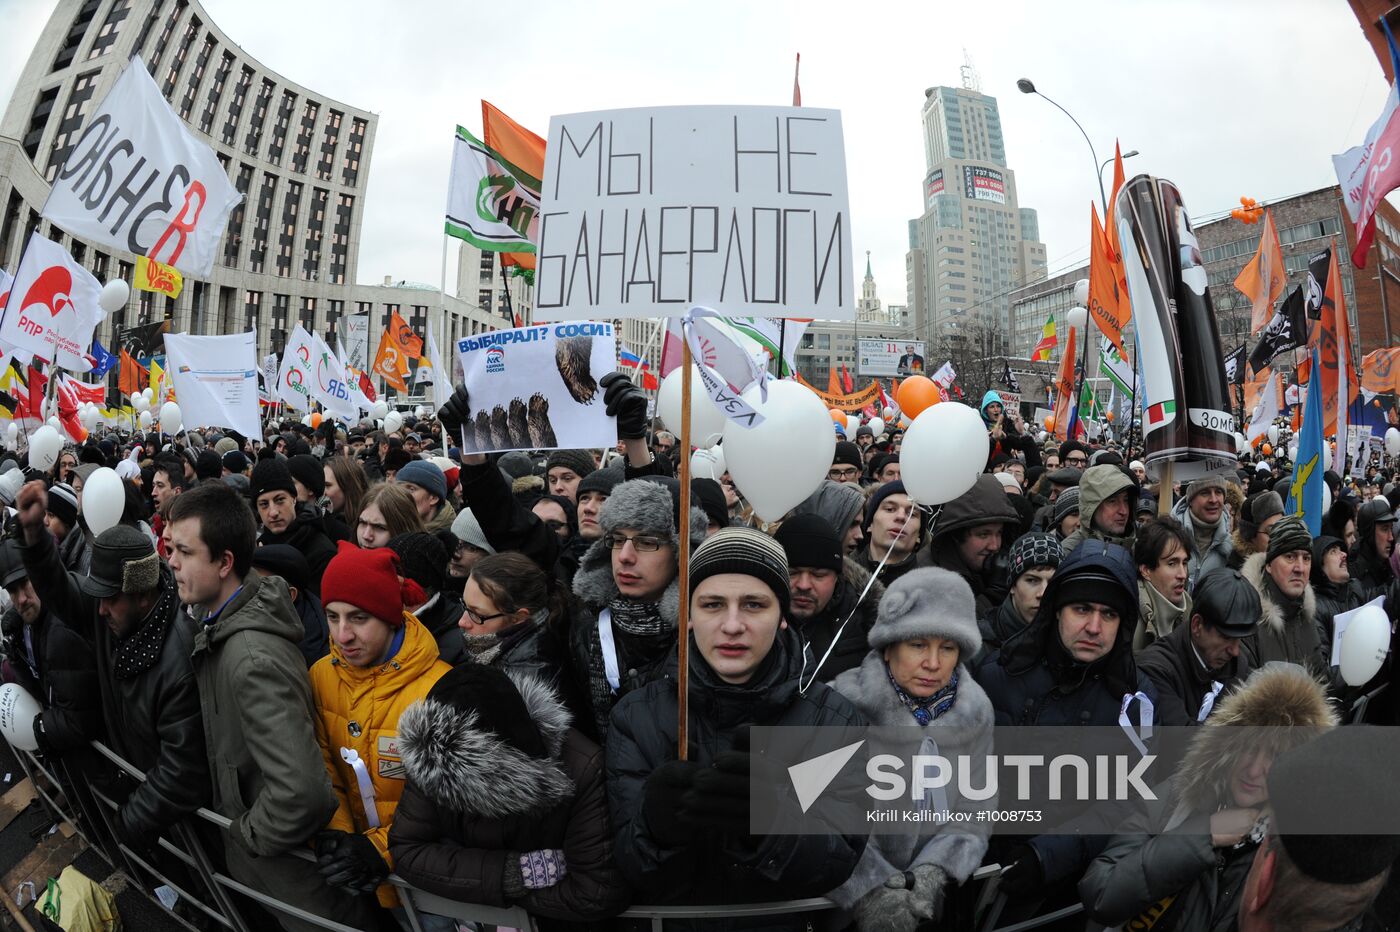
x=536 y=388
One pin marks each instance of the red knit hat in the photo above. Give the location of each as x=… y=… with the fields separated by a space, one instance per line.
x=369 y=580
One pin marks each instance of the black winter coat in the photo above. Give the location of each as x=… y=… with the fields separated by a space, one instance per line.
x=305 y=534
x=63 y=678
x=818 y=632
x=1181 y=681
x=152 y=719
x=440 y=618
x=713 y=868
x=998 y=627
x=464 y=813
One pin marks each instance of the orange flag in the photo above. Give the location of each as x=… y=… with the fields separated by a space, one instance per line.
x=396 y=347
x=1332 y=337
x=833 y=383
x=1105 y=306
x=132 y=376
x=1064 y=388
x=1380 y=371
x=1264 y=278
x=1254 y=388
x=523 y=150
x=1109 y=222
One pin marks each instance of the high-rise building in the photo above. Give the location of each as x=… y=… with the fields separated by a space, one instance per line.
x=974 y=243
x=481 y=281
x=290 y=253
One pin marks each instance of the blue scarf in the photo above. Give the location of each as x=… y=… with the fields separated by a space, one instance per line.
x=926 y=710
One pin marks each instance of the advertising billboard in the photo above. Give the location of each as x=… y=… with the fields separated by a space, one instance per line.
x=893 y=358
x=984 y=184
x=933 y=186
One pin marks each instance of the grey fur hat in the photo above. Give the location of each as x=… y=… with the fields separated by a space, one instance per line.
x=928 y=603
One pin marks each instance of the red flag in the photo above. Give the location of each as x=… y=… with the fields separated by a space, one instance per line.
x=848 y=384
x=37 y=381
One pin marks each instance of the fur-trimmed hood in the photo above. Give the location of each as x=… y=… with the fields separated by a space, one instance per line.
x=634 y=504
x=471 y=770
x=1272 y=612
x=1278 y=694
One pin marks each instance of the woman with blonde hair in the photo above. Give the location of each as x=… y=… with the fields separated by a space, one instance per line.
x=388 y=511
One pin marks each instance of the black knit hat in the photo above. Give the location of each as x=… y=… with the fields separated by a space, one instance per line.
x=708 y=496
x=1066 y=504
x=599 y=480
x=846 y=453
x=208 y=465
x=235 y=461
x=271 y=476
x=810 y=541
x=1033 y=550
x=879 y=495
x=308 y=470
x=747 y=552
x=286 y=561
x=63 y=503
x=579 y=461
x=1288 y=535
x=422 y=557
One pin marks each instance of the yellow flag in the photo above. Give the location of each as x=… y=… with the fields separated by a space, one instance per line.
x=152 y=276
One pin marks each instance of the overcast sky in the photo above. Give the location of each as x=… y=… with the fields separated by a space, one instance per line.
x=1246 y=97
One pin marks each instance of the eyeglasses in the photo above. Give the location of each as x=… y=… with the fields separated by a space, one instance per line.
x=643 y=542
x=1078 y=460
x=843 y=472
x=483 y=619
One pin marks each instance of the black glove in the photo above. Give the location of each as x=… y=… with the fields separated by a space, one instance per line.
x=719 y=800
x=349 y=861
x=455 y=412
x=625 y=401
x=1025 y=876
x=662 y=801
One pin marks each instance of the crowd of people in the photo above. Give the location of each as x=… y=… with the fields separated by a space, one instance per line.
x=461 y=669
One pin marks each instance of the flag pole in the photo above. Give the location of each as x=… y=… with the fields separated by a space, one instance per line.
x=683 y=561
x=442 y=331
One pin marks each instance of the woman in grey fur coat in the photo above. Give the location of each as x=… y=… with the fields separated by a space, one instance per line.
x=915 y=674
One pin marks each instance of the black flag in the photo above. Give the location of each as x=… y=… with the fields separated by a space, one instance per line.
x=1317 y=282
x=1008 y=378
x=1287 y=330
x=1234 y=366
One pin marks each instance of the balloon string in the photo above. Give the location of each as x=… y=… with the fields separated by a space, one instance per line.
x=874 y=575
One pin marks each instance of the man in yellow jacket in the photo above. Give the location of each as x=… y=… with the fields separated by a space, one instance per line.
x=381 y=661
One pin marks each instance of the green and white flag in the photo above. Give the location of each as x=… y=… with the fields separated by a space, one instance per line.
x=1116 y=368
x=772 y=333
x=490 y=203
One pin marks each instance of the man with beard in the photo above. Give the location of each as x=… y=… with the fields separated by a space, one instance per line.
x=967 y=538
x=1162 y=552
x=284 y=521
x=1198 y=662
x=1287 y=628
x=127 y=606
x=826 y=591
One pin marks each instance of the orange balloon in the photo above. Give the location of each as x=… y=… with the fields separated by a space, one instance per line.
x=315 y=418
x=839 y=417
x=1267 y=450
x=1109 y=415
x=917 y=393
x=1049 y=423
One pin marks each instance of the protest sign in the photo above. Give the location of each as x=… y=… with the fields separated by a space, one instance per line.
x=138 y=180
x=647 y=212
x=536 y=388
x=53 y=306
x=216 y=380
x=293 y=384
x=356 y=328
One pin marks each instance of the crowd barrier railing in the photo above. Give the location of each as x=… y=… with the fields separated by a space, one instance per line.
x=216 y=899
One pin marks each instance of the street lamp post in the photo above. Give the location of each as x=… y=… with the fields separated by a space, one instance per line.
x=1027 y=86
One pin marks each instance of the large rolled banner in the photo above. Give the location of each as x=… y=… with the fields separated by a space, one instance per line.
x=1186 y=421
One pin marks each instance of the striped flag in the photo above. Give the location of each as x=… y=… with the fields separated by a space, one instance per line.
x=1045 y=349
x=1116 y=368
x=626 y=359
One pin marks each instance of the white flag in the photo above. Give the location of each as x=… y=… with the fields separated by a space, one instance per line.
x=53 y=307
x=352 y=379
x=441 y=389
x=488 y=205
x=328 y=383
x=1265 y=411
x=139 y=181
x=294 y=378
x=945 y=375
x=216 y=378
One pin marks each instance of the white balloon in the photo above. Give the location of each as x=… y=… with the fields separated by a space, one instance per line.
x=706 y=421
x=780 y=462
x=1293 y=451
x=149 y=394
x=1273 y=434
x=12 y=428
x=104 y=499
x=1364 y=645
x=852 y=425
x=114 y=296
x=1081 y=293
x=706 y=464
x=1076 y=318
x=1326 y=498
x=306 y=420
x=420 y=411
x=379 y=410
x=144 y=420
x=944 y=452
x=17 y=712
x=54 y=422
x=1241 y=444
x=1392 y=441
x=392 y=422
x=1326 y=456
x=44 y=446
x=888 y=413
x=171 y=420
x=877 y=426
x=139 y=403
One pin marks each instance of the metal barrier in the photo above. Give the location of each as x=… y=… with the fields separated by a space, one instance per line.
x=215 y=901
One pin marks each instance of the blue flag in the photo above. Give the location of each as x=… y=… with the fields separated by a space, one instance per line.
x=103 y=361
x=1305 y=490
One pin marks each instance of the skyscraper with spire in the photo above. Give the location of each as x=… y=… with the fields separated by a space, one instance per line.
x=868 y=304
x=974 y=243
